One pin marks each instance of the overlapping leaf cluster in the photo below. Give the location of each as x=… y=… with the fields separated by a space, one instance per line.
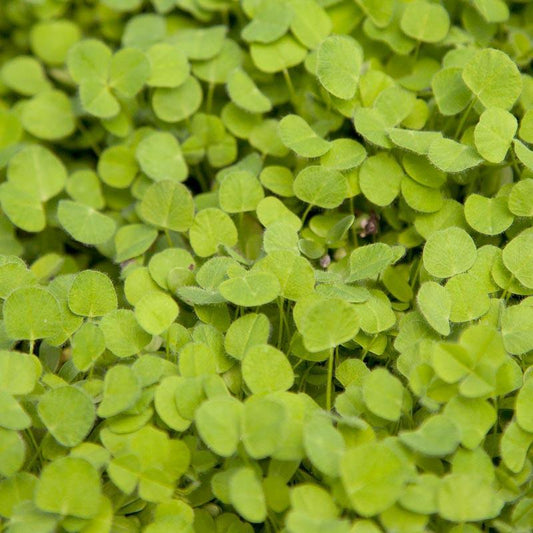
x=267 y=265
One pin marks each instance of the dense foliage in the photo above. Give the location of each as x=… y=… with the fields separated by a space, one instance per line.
x=266 y=266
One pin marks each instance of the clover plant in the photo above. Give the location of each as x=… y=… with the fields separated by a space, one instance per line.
x=266 y=265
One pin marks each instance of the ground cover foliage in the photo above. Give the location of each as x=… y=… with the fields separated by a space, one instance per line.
x=266 y=266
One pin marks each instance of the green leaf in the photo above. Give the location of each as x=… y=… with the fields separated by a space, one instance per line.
x=383 y=394
x=517 y=329
x=168 y=205
x=344 y=154
x=246 y=495
x=280 y=55
x=25 y=75
x=450 y=91
x=436 y=436
x=449 y=252
x=155 y=312
x=245 y=94
x=425 y=21
x=489 y=216
x=369 y=261
x=89 y=60
x=31 y=313
x=339 y=60
x=69 y=486
x=37 y=172
x=450 y=156
x=518 y=200
x=133 y=240
x=160 y=157
x=240 y=191
x=296 y=134
x=435 y=304
x=169 y=66
x=121 y=391
x=49 y=116
x=266 y=369
x=467 y=498
x=373 y=477
x=19 y=372
x=494 y=133
x=218 y=421
x=68 y=413
x=245 y=332
x=88 y=344
x=117 y=167
x=123 y=335
x=517 y=257
x=493 y=78
x=129 y=71
x=179 y=103
x=320 y=186
x=92 y=294
x=325 y=322
x=23 y=209
x=12 y=452
x=212 y=228
x=380 y=177
x=84 y=223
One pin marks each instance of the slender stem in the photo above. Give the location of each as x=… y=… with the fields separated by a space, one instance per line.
x=462 y=122
x=329 y=384
x=169 y=238
x=32 y=346
x=280 y=323
x=306 y=212
x=290 y=86
x=209 y=100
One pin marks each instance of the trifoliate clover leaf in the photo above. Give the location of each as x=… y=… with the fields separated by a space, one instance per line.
x=449 y=252
x=320 y=186
x=160 y=157
x=296 y=134
x=425 y=21
x=266 y=369
x=494 y=133
x=128 y=71
x=68 y=413
x=84 y=223
x=92 y=294
x=339 y=60
x=493 y=78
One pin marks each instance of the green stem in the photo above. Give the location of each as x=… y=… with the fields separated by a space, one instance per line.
x=280 y=323
x=306 y=212
x=329 y=384
x=209 y=100
x=464 y=118
x=32 y=346
x=169 y=238
x=290 y=86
